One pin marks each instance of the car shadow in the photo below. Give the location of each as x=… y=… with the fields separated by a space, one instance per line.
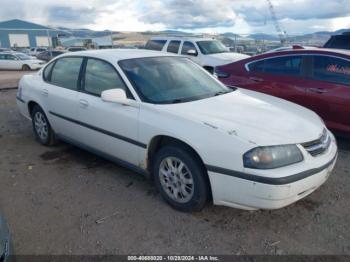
x=343 y=143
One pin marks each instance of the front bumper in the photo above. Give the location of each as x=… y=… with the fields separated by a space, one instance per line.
x=251 y=192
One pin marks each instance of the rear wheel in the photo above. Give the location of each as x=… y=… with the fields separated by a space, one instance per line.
x=25 y=68
x=180 y=178
x=42 y=128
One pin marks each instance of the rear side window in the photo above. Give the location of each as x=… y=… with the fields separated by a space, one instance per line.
x=174 y=46
x=331 y=69
x=65 y=73
x=288 y=65
x=187 y=46
x=156 y=45
x=101 y=76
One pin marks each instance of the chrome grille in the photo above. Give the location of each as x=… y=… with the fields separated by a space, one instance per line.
x=319 y=146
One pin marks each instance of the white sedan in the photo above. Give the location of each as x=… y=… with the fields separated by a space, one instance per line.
x=19 y=61
x=166 y=117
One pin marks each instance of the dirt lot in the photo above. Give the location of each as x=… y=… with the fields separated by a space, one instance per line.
x=52 y=198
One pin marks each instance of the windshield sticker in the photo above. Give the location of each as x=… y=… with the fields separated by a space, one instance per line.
x=339 y=69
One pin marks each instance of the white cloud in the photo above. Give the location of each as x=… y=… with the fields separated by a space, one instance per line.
x=240 y=16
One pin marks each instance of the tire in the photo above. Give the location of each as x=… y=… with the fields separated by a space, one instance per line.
x=25 y=68
x=174 y=184
x=43 y=132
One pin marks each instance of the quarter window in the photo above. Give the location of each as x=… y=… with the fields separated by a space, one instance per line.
x=174 y=46
x=101 y=76
x=65 y=73
x=331 y=69
x=186 y=47
x=156 y=45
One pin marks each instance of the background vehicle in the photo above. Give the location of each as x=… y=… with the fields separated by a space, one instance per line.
x=48 y=55
x=37 y=50
x=5 y=240
x=318 y=79
x=206 y=52
x=339 y=41
x=76 y=49
x=151 y=111
x=19 y=61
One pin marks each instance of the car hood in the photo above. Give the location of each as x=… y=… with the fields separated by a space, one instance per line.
x=255 y=117
x=229 y=57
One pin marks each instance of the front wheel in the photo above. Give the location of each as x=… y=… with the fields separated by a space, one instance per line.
x=42 y=128
x=25 y=68
x=180 y=178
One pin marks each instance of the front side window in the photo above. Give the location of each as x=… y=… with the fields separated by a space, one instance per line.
x=285 y=65
x=211 y=47
x=23 y=57
x=156 y=45
x=166 y=80
x=331 y=69
x=101 y=76
x=65 y=73
x=10 y=57
x=187 y=46
x=174 y=46
x=2 y=57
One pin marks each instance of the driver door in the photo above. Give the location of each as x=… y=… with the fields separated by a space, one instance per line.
x=109 y=128
x=186 y=46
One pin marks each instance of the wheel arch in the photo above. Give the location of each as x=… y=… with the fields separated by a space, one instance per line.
x=160 y=141
x=31 y=105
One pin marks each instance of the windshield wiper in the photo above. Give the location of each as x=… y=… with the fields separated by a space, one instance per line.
x=222 y=93
x=177 y=101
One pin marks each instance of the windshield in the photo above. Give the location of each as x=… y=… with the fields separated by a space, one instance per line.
x=23 y=57
x=166 y=80
x=211 y=47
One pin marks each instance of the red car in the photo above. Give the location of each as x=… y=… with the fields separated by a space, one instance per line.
x=315 y=78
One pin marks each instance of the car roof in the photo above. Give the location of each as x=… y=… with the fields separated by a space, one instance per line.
x=119 y=54
x=304 y=51
x=185 y=38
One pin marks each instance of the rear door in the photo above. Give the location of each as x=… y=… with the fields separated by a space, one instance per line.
x=110 y=128
x=60 y=91
x=328 y=90
x=280 y=76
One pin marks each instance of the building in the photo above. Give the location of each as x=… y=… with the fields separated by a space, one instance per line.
x=18 y=33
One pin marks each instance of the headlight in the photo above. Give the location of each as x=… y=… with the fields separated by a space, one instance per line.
x=269 y=157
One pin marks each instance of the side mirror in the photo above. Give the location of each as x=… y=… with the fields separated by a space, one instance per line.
x=192 y=52
x=115 y=96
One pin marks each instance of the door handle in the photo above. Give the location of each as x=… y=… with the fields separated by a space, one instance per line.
x=256 y=79
x=83 y=103
x=318 y=90
x=45 y=92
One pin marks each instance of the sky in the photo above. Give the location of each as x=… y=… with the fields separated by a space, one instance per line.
x=207 y=16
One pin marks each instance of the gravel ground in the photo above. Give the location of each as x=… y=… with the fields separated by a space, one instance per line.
x=62 y=200
x=9 y=79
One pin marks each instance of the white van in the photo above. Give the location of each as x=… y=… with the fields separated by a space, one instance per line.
x=206 y=52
